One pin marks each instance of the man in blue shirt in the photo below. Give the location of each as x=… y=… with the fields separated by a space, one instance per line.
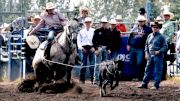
x=155 y=47
x=136 y=44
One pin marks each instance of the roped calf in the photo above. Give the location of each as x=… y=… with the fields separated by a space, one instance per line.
x=109 y=71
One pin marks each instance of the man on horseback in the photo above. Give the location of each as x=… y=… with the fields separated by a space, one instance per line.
x=52 y=20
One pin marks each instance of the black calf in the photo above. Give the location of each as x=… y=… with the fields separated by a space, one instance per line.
x=109 y=71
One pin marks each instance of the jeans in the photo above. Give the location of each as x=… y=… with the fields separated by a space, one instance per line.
x=91 y=57
x=102 y=56
x=136 y=61
x=80 y=54
x=154 y=64
x=51 y=36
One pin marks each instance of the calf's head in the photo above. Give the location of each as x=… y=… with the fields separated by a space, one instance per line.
x=118 y=66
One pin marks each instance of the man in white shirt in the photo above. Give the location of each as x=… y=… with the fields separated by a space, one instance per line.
x=84 y=42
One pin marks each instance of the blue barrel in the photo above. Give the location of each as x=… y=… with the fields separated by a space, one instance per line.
x=128 y=70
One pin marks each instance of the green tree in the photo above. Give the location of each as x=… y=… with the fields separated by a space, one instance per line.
x=175 y=8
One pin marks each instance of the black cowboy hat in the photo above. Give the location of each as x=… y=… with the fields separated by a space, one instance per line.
x=155 y=23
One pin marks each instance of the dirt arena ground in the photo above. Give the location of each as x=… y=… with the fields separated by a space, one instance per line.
x=126 y=91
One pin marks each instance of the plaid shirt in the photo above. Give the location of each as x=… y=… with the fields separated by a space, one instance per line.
x=167 y=30
x=49 y=21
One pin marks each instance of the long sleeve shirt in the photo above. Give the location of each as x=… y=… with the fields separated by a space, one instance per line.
x=20 y=22
x=138 y=40
x=49 y=21
x=167 y=30
x=156 y=42
x=101 y=37
x=115 y=39
x=85 y=37
x=121 y=27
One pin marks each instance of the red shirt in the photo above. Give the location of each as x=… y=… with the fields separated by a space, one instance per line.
x=121 y=27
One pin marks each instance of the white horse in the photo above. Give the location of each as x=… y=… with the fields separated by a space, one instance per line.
x=63 y=51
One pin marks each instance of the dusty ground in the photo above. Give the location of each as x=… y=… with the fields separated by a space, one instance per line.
x=127 y=91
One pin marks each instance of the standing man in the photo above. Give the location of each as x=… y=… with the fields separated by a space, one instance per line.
x=101 y=44
x=84 y=12
x=115 y=40
x=120 y=27
x=136 y=45
x=155 y=47
x=168 y=31
x=84 y=42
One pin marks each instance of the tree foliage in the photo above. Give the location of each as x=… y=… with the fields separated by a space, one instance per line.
x=99 y=8
x=175 y=8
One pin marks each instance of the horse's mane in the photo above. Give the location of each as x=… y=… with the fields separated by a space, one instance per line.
x=73 y=23
x=62 y=38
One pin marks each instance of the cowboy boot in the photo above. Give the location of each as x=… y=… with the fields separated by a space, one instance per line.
x=47 y=50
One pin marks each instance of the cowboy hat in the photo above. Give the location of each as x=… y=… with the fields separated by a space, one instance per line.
x=50 y=5
x=157 y=24
x=88 y=19
x=168 y=13
x=141 y=18
x=5 y=27
x=103 y=19
x=118 y=17
x=84 y=9
x=112 y=21
x=158 y=18
x=37 y=17
x=33 y=41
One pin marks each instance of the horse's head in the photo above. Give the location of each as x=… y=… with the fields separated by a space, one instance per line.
x=74 y=28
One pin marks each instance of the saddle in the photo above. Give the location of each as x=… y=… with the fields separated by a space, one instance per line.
x=46 y=46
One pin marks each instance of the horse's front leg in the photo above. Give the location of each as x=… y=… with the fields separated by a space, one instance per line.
x=69 y=74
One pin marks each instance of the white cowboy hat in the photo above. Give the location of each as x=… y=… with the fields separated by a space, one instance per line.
x=88 y=19
x=5 y=27
x=37 y=17
x=112 y=21
x=168 y=13
x=141 y=18
x=158 y=18
x=50 y=5
x=118 y=17
x=33 y=41
x=84 y=9
x=103 y=19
